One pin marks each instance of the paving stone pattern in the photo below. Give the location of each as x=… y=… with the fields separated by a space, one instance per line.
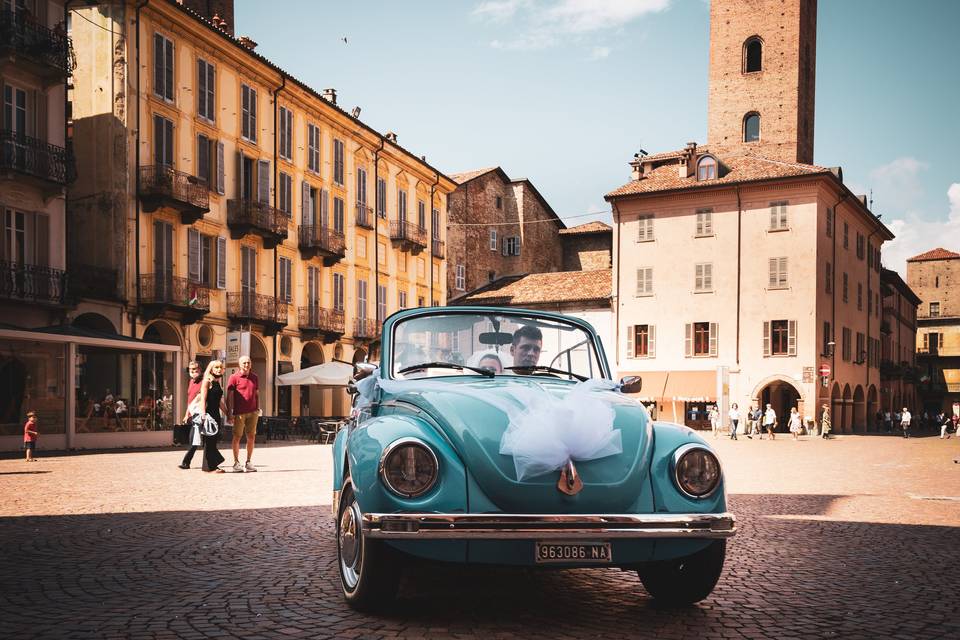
x=832 y=544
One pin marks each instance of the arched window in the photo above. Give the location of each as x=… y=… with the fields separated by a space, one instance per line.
x=752 y=55
x=751 y=127
x=707 y=168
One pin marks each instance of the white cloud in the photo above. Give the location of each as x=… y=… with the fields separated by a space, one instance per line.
x=543 y=24
x=599 y=53
x=915 y=235
x=897 y=184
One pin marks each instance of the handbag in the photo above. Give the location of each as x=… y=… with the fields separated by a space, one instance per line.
x=181 y=433
x=205 y=424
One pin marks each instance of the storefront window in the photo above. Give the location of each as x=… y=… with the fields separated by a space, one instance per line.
x=32 y=379
x=124 y=390
x=696 y=415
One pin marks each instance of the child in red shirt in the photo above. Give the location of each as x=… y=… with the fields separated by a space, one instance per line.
x=30 y=435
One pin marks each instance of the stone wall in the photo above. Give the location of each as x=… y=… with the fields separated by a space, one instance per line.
x=587 y=252
x=936 y=281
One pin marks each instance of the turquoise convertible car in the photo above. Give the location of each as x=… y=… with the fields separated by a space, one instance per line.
x=497 y=436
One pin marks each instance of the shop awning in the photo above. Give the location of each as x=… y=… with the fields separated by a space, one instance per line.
x=328 y=374
x=676 y=386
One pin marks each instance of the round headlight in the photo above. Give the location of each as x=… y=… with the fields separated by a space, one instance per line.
x=696 y=470
x=409 y=468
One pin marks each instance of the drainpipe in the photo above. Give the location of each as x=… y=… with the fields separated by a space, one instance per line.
x=615 y=298
x=833 y=300
x=276 y=194
x=739 y=266
x=376 y=217
x=430 y=239
x=869 y=293
x=136 y=195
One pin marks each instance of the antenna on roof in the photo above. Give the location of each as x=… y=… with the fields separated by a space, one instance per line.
x=642 y=153
x=870 y=206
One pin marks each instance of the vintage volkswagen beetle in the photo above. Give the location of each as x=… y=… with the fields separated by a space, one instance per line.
x=420 y=471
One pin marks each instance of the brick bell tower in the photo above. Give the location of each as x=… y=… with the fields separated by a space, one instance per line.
x=762 y=77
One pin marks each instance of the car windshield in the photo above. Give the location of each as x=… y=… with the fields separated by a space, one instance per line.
x=457 y=344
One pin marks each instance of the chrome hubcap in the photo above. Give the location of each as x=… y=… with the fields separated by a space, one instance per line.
x=349 y=541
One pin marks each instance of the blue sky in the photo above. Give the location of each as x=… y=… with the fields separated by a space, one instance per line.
x=563 y=92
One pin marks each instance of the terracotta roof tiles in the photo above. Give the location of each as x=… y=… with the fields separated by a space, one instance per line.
x=935 y=254
x=467 y=176
x=544 y=288
x=588 y=227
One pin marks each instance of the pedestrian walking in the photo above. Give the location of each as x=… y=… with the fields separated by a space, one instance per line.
x=734 y=414
x=825 y=425
x=243 y=401
x=795 y=424
x=769 y=421
x=905 y=418
x=713 y=414
x=755 y=422
x=193 y=406
x=944 y=427
x=30 y=434
x=211 y=399
x=887 y=421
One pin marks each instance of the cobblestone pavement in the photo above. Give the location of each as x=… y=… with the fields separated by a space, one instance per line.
x=851 y=538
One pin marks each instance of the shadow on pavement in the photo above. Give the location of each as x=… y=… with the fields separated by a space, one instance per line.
x=272 y=573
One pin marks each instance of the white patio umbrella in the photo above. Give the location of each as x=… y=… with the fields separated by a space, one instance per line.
x=328 y=374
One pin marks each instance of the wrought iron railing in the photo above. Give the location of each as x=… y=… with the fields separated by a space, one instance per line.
x=161 y=181
x=407 y=231
x=319 y=237
x=316 y=318
x=366 y=328
x=26 y=37
x=254 y=306
x=98 y=283
x=32 y=283
x=259 y=215
x=364 y=215
x=437 y=247
x=34 y=157
x=173 y=291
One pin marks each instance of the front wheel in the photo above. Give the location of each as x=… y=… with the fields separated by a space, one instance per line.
x=369 y=572
x=685 y=580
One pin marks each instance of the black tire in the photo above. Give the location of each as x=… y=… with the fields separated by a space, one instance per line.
x=369 y=570
x=686 y=580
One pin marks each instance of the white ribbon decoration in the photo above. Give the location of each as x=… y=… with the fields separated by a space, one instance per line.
x=544 y=431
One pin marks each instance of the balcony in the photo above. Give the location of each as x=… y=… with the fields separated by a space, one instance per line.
x=408 y=236
x=247 y=307
x=46 y=165
x=93 y=283
x=163 y=186
x=437 y=247
x=366 y=329
x=314 y=320
x=364 y=216
x=33 y=283
x=164 y=293
x=316 y=240
x=32 y=47
x=249 y=216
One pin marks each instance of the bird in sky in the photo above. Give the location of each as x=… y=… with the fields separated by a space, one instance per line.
x=344 y=39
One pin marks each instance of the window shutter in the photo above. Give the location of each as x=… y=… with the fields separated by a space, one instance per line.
x=504 y=246
x=713 y=338
x=263 y=180
x=708 y=277
x=221 y=262
x=792 y=338
x=708 y=226
x=324 y=209
x=158 y=64
x=168 y=82
x=766 y=339
x=782 y=272
x=220 y=169
x=631 y=349
x=688 y=340
x=648 y=279
x=193 y=251
x=651 y=341
x=305 y=217
x=698 y=277
x=773 y=273
x=773 y=216
x=288 y=290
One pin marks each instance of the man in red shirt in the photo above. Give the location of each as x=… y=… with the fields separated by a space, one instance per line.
x=243 y=403
x=193 y=389
x=30 y=435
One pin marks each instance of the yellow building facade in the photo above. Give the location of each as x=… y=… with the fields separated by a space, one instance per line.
x=233 y=201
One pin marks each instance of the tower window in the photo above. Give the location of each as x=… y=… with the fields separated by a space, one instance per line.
x=751 y=127
x=752 y=55
x=707 y=168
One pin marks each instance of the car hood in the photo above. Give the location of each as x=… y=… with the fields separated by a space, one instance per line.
x=469 y=412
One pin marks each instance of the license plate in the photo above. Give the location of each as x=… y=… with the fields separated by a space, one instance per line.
x=572 y=552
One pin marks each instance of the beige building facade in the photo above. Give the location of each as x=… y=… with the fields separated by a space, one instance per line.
x=743 y=272
x=236 y=209
x=899 y=374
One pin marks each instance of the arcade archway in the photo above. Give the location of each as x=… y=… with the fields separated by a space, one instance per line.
x=781 y=395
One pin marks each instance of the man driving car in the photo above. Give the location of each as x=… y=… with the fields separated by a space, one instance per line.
x=526 y=346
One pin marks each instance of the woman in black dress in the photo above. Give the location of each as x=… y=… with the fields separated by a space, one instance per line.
x=211 y=399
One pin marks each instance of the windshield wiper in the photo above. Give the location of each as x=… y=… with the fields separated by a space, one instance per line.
x=542 y=367
x=446 y=365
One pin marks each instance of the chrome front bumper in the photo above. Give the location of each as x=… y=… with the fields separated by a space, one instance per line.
x=496 y=526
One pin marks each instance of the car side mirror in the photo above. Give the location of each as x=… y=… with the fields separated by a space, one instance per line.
x=631 y=384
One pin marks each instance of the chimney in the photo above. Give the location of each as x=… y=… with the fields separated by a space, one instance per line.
x=391 y=136
x=636 y=167
x=687 y=160
x=330 y=95
x=218 y=12
x=247 y=42
x=863 y=201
